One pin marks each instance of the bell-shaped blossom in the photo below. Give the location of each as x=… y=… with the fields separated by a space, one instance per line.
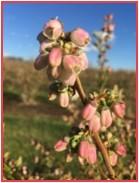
x=113 y=158
x=53 y=72
x=72 y=64
x=53 y=29
x=83 y=149
x=87 y=151
x=64 y=99
x=61 y=145
x=119 y=109
x=106 y=118
x=121 y=149
x=55 y=57
x=92 y=155
x=88 y=111
x=41 y=62
x=67 y=77
x=80 y=37
x=94 y=123
x=71 y=80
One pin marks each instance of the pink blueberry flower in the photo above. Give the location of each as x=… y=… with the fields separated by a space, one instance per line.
x=119 y=109
x=88 y=112
x=92 y=155
x=80 y=37
x=83 y=149
x=41 y=62
x=53 y=72
x=72 y=64
x=67 y=77
x=55 y=57
x=121 y=149
x=106 y=118
x=53 y=29
x=94 y=123
x=75 y=64
x=87 y=151
x=61 y=145
x=70 y=80
x=113 y=158
x=64 y=99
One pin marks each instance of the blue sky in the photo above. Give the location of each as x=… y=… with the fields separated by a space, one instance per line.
x=22 y=23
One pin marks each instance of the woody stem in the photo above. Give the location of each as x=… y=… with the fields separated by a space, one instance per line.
x=97 y=139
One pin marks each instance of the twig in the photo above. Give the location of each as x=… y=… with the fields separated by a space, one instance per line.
x=99 y=143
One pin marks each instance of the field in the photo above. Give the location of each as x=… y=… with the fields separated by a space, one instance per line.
x=33 y=125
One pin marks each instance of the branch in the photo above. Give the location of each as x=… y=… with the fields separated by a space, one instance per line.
x=99 y=143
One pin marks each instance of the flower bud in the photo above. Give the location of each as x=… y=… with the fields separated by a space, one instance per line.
x=83 y=149
x=64 y=99
x=92 y=156
x=119 y=109
x=80 y=37
x=61 y=145
x=41 y=62
x=121 y=149
x=106 y=118
x=53 y=72
x=113 y=158
x=55 y=57
x=87 y=151
x=71 y=80
x=53 y=29
x=88 y=112
x=94 y=123
x=72 y=64
x=67 y=77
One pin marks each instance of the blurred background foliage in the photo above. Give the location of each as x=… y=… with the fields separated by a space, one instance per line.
x=32 y=125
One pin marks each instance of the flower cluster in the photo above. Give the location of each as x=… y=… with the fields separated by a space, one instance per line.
x=96 y=116
x=62 y=53
x=101 y=38
x=101 y=42
x=103 y=108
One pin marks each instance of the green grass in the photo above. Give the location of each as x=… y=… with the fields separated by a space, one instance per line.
x=19 y=131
